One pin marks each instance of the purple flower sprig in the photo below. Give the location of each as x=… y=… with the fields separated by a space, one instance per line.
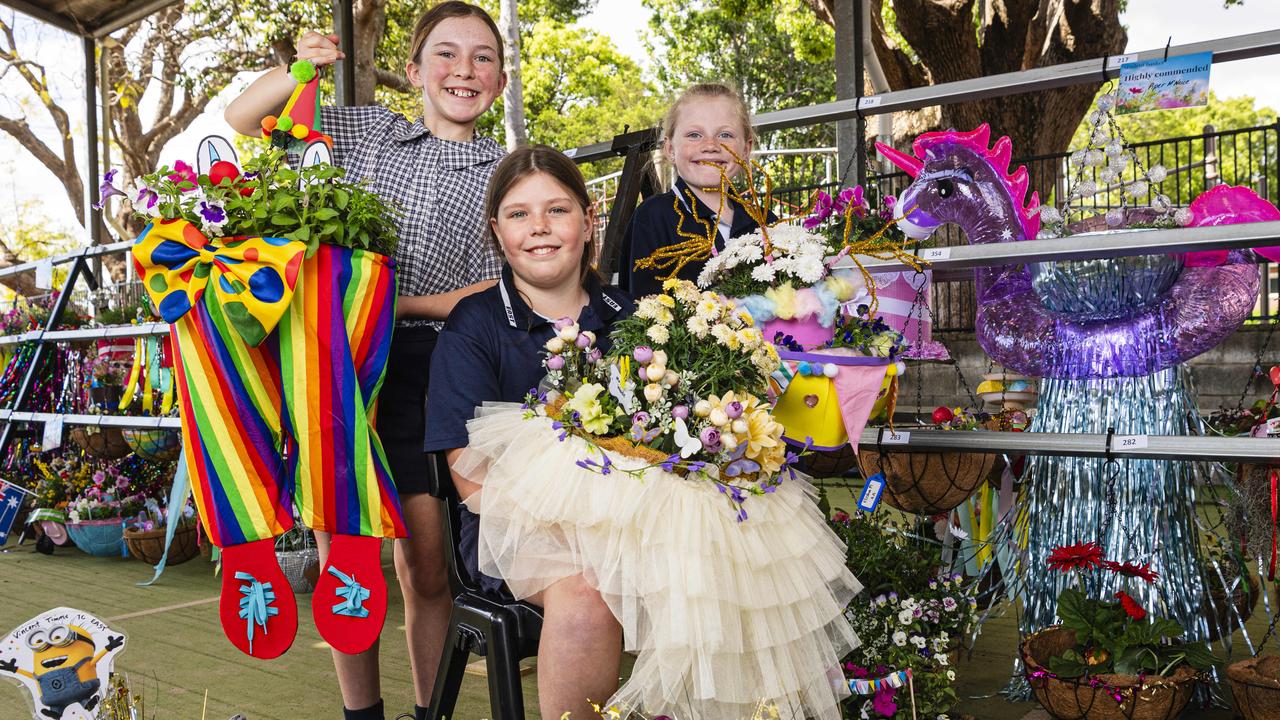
x=603 y=468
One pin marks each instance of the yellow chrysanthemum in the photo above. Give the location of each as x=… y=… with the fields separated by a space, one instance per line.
x=725 y=336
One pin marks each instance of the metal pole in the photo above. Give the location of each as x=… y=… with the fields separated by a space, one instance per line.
x=345 y=26
x=93 y=217
x=850 y=133
x=1212 y=177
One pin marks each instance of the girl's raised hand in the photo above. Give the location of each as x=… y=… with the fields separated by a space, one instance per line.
x=319 y=49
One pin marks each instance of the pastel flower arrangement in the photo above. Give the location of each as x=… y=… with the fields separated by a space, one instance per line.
x=131 y=489
x=683 y=387
x=782 y=272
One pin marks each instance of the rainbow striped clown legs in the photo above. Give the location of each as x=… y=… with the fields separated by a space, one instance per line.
x=229 y=394
x=279 y=367
x=231 y=407
x=333 y=345
x=333 y=354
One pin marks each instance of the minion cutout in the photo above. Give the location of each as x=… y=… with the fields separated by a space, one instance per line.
x=64 y=658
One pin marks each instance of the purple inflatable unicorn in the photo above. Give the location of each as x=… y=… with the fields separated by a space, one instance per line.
x=1109 y=338
x=1173 y=314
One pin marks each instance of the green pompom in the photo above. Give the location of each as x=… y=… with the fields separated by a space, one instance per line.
x=303 y=71
x=284 y=124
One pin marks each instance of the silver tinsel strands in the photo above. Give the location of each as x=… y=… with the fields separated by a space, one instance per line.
x=1137 y=510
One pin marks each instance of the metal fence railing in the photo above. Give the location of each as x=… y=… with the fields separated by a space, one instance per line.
x=1247 y=156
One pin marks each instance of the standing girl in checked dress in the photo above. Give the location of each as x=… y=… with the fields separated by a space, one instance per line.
x=436 y=169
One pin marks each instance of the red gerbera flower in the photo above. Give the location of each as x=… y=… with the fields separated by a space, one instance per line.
x=1131 y=606
x=1129 y=569
x=1069 y=557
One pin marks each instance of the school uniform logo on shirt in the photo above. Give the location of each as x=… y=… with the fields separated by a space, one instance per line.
x=610 y=302
x=506 y=303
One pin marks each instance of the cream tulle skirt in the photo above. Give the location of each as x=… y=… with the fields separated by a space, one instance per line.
x=722 y=615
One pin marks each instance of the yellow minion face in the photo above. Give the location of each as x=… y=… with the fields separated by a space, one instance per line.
x=62 y=646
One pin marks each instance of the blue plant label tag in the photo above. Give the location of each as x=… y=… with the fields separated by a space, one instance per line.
x=871 y=493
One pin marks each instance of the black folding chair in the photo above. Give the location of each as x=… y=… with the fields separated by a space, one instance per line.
x=501 y=630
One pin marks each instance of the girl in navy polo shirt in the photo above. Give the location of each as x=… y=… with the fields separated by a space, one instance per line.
x=704 y=120
x=436 y=169
x=490 y=350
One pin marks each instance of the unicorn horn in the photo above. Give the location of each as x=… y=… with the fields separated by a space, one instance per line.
x=909 y=163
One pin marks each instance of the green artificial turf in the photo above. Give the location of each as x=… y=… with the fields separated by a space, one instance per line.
x=176 y=651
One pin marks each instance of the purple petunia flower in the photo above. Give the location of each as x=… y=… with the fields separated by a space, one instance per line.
x=883 y=701
x=145 y=199
x=108 y=189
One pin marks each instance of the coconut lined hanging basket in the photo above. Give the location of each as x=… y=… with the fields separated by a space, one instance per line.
x=107 y=443
x=927 y=483
x=1158 y=698
x=1255 y=683
x=1226 y=612
x=148 y=545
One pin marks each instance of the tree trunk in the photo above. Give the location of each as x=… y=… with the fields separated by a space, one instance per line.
x=513 y=95
x=1012 y=35
x=370 y=18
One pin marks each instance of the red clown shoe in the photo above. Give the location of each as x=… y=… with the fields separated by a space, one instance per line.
x=257 y=607
x=349 y=604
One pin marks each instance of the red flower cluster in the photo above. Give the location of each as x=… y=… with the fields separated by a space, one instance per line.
x=1129 y=569
x=1085 y=556
x=1131 y=606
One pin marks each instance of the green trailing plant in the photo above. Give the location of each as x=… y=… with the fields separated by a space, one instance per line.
x=314 y=204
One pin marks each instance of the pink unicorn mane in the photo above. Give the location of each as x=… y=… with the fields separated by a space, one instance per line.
x=997 y=156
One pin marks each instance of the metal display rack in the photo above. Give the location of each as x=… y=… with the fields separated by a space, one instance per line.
x=51 y=334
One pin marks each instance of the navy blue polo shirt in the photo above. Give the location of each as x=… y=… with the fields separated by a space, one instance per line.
x=491 y=350
x=654 y=225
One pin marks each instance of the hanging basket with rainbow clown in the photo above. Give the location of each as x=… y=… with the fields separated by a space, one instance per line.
x=280 y=291
x=839 y=360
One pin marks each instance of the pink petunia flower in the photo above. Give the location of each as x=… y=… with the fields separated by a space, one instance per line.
x=184 y=172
